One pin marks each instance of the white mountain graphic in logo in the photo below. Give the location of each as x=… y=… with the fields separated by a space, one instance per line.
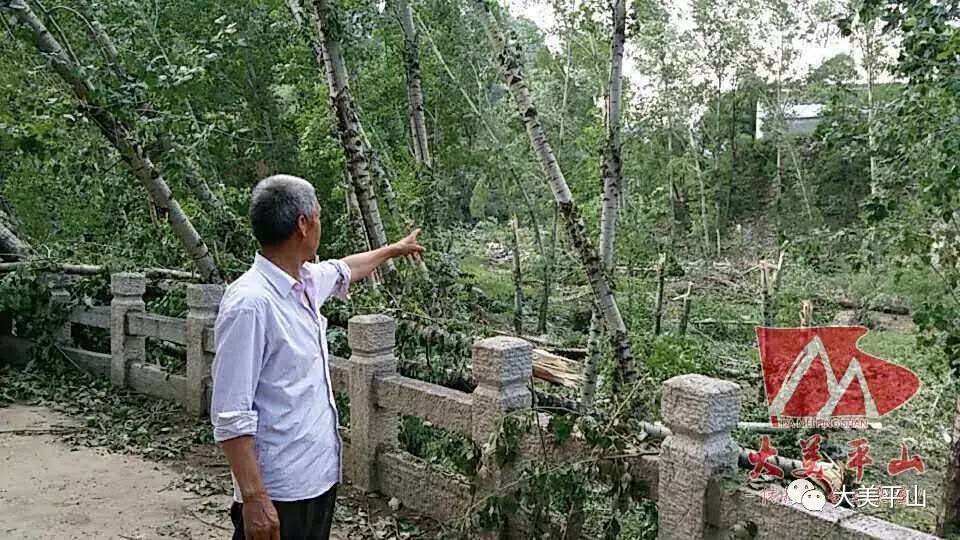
x=835 y=390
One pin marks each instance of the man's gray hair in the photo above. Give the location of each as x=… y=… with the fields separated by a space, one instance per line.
x=276 y=203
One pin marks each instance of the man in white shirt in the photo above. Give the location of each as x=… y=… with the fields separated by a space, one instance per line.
x=272 y=407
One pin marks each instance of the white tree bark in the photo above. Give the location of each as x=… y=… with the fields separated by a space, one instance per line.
x=10 y=243
x=348 y=124
x=603 y=295
x=517 y=279
x=356 y=220
x=296 y=9
x=870 y=53
x=376 y=171
x=695 y=153
x=122 y=138
x=612 y=167
x=418 y=125
x=611 y=173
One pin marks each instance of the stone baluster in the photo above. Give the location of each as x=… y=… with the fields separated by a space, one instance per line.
x=701 y=413
x=127 y=290
x=502 y=367
x=60 y=297
x=373 y=429
x=202 y=303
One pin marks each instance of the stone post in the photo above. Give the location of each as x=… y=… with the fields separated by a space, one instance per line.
x=202 y=304
x=701 y=413
x=127 y=290
x=502 y=367
x=373 y=429
x=60 y=297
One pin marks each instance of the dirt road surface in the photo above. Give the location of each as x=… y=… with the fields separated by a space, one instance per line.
x=49 y=490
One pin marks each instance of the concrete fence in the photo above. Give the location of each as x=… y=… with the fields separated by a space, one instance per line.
x=685 y=479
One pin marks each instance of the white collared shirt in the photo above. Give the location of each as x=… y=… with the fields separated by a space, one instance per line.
x=271 y=375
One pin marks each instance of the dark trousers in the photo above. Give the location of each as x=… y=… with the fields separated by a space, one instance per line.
x=309 y=519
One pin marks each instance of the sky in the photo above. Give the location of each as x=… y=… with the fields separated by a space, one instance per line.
x=811 y=53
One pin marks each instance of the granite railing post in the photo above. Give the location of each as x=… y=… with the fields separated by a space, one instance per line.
x=60 y=297
x=127 y=290
x=701 y=413
x=202 y=303
x=373 y=429
x=502 y=367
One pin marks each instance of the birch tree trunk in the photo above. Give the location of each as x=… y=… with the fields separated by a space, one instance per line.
x=733 y=151
x=694 y=151
x=548 y=275
x=110 y=51
x=383 y=182
x=612 y=166
x=10 y=243
x=122 y=138
x=870 y=65
x=611 y=173
x=778 y=188
x=517 y=280
x=348 y=124
x=603 y=295
x=418 y=125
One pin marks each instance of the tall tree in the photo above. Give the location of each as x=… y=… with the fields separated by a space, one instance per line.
x=867 y=34
x=120 y=134
x=611 y=172
x=513 y=76
x=348 y=123
x=665 y=55
x=723 y=36
x=790 y=23
x=418 y=125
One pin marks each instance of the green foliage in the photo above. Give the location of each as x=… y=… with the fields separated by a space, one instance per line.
x=447 y=449
x=508 y=438
x=112 y=418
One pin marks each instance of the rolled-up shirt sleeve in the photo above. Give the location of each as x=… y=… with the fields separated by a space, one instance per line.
x=240 y=336
x=331 y=278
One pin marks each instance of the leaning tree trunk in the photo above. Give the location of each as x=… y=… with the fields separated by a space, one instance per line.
x=418 y=125
x=548 y=264
x=611 y=172
x=122 y=138
x=192 y=174
x=359 y=237
x=10 y=243
x=603 y=295
x=374 y=168
x=348 y=124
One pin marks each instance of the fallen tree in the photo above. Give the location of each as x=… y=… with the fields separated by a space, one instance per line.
x=120 y=135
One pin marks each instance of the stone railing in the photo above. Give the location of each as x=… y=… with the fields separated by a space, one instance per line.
x=684 y=479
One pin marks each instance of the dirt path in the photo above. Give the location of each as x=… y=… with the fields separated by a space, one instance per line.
x=50 y=490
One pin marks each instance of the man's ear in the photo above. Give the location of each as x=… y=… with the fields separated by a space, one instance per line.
x=303 y=224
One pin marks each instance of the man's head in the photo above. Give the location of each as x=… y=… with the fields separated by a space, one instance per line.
x=285 y=215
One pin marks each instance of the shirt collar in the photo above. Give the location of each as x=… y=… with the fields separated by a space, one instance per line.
x=278 y=279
